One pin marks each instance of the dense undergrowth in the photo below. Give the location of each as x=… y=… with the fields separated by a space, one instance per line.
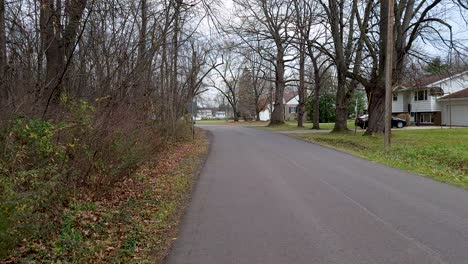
x=48 y=166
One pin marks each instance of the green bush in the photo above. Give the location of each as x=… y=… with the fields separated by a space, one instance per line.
x=31 y=165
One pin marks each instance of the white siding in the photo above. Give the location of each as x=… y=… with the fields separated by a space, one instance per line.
x=435 y=106
x=422 y=106
x=459 y=112
x=265 y=115
x=398 y=106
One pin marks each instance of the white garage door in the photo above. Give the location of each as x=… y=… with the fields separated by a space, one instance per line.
x=460 y=115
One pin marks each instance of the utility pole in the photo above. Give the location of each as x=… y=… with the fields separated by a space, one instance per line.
x=194 y=105
x=388 y=75
x=450 y=69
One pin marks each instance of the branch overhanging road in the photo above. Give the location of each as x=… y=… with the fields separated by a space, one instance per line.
x=263 y=197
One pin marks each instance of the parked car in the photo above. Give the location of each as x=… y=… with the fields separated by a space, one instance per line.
x=362 y=122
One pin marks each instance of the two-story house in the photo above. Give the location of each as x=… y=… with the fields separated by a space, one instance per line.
x=434 y=100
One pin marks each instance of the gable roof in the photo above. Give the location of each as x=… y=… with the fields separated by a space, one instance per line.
x=458 y=95
x=264 y=101
x=288 y=96
x=432 y=80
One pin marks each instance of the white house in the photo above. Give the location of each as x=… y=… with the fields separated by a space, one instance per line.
x=290 y=101
x=221 y=114
x=434 y=100
x=205 y=113
x=265 y=114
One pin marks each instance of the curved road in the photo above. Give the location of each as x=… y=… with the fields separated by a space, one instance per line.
x=263 y=197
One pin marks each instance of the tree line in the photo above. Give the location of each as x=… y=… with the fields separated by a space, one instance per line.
x=145 y=56
x=301 y=43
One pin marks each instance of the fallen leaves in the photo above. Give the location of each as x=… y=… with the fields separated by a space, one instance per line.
x=136 y=222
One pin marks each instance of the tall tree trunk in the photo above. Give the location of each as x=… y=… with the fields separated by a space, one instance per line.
x=342 y=101
x=337 y=29
x=376 y=123
x=376 y=92
x=277 y=116
x=143 y=29
x=141 y=72
x=3 y=59
x=175 y=59
x=302 y=88
x=58 y=41
x=317 y=90
x=52 y=49
x=235 y=110
x=316 y=108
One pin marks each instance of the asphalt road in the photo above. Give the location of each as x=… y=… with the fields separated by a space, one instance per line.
x=267 y=198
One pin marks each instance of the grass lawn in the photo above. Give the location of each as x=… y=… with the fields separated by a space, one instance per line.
x=292 y=125
x=441 y=154
x=231 y=122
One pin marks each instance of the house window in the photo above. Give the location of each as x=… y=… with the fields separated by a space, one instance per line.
x=426 y=118
x=292 y=109
x=395 y=97
x=420 y=95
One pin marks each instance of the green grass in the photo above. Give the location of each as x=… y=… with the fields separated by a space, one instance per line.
x=231 y=122
x=441 y=154
x=292 y=125
x=212 y=122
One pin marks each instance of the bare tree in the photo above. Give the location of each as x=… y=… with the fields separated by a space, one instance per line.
x=268 y=21
x=58 y=41
x=227 y=77
x=320 y=67
x=260 y=80
x=342 y=17
x=304 y=16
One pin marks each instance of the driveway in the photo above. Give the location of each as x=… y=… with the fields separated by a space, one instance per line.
x=267 y=198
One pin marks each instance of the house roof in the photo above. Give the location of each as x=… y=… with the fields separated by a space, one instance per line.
x=458 y=95
x=288 y=96
x=428 y=81
x=264 y=101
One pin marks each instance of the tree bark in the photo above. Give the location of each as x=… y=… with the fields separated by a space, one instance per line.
x=376 y=92
x=342 y=101
x=376 y=122
x=277 y=116
x=3 y=56
x=58 y=43
x=337 y=28
x=143 y=29
x=302 y=88
x=316 y=108
x=317 y=90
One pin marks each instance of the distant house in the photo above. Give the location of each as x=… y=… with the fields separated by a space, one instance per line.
x=290 y=101
x=205 y=114
x=434 y=100
x=220 y=114
x=265 y=113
